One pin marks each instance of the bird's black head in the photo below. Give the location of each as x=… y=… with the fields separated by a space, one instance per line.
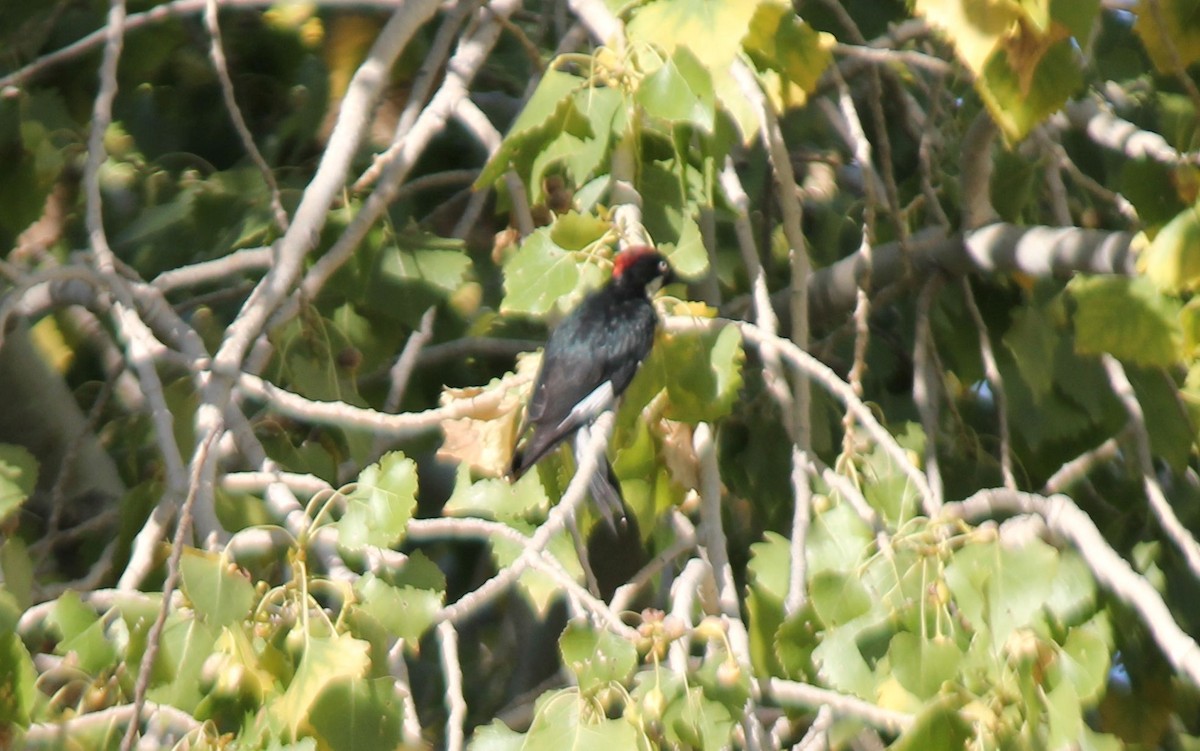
x=641 y=270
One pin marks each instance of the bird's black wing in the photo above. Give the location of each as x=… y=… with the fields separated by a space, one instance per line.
x=598 y=343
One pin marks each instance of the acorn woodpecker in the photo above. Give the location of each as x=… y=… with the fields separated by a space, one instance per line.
x=589 y=361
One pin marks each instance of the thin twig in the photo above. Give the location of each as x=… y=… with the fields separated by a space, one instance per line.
x=216 y=51
x=456 y=706
x=1163 y=511
x=587 y=465
x=435 y=59
x=1079 y=467
x=821 y=373
x=794 y=694
x=991 y=370
x=411 y=727
x=154 y=638
x=926 y=386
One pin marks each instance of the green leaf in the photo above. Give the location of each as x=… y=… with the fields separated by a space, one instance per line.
x=1072 y=597
x=680 y=91
x=1177 y=39
x=693 y=720
x=419 y=256
x=1033 y=340
x=220 y=593
x=185 y=644
x=493 y=498
x=789 y=51
x=539 y=589
x=768 y=566
x=922 y=664
x=358 y=715
x=18 y=476
x=325 y=661
x=496 y=736
x=1172 y=261
x=702 y=372
x=405 y=611
x=18 y=677
x=795 y=640
x=541 y=276
x=1022 y=89
x=1085 y=660
x=838 y=540
x=16 y=571
x=1079 y=16
x=597 y=658
x=563 y=721
x=575 y=231
x=1143 y=182
x=1001 y=587
x=708 y=28
x=83 y=634
x=940 y=725
x=838 y=597
x=593 y=122
x=383 y=501
x=688 y=256
x=1127 y=318
x=1168 y=423
x=840 y=663
x=548 y=113
x=1065 y=716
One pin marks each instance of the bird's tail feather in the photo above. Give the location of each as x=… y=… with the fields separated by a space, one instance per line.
x=606 y=492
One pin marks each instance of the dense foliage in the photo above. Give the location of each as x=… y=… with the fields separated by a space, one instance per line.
x=913 y=463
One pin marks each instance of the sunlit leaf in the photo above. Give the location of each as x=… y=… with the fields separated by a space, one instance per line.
x=922 y=664
x=1000 y=587
x=1026 y=83
x=1127 y=318
x=940 y=725
x=358 y=715
x=498 y=499
x=544 y=117
x=705 y=27
x=326 y=660
x=221 y=594
x=975 y=28
x=838 y=597
x=18 y=475
x=791 y=50
x=383 y=501
x=597 y=658
x=1172 y=261
x=83 y=634
x=680 y=91
x=405 y=611
x=541 y=276
x=496 y=736
x=563 y=721
x=837 y=540
x=185 y=644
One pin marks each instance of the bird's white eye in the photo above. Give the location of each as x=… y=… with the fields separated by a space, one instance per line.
x=663 y=267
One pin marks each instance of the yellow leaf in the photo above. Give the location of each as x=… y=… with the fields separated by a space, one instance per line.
x=483 y=438
x=975 y=27
x=1026 y=46
x=1182 y=32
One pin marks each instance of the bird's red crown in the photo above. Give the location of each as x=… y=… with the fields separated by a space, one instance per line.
x=626 y=258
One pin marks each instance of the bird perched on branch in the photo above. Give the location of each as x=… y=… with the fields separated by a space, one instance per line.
x=588 y=362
